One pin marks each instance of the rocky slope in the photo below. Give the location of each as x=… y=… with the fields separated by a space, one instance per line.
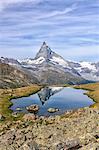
x=75 y=130
x=12 y=77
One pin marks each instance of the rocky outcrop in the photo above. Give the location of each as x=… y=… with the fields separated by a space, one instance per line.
x=74 y=130
x=29 y=117
x=33 y=108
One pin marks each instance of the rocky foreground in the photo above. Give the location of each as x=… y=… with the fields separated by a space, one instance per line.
x=75 y=130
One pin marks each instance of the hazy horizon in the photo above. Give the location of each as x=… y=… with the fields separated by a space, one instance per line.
x=70 y=28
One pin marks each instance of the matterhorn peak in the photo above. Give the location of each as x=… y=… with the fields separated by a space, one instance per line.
x=45 y=47
x=44 y=51
x=44 y=44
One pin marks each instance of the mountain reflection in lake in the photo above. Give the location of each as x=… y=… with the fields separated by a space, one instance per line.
x=53 y=97
x=47 y=92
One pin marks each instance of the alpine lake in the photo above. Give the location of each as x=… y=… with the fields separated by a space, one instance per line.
x=61 y=98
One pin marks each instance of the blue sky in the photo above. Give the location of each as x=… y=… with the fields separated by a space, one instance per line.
x=70 y=27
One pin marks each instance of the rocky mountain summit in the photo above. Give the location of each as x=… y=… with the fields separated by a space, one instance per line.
x=50 y=68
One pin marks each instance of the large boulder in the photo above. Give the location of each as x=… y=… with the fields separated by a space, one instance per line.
x=29 y=117
x=52 y=110
x=1 y=117
x=33 y=108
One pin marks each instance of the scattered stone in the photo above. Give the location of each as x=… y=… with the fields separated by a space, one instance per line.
x=19 y=109
x=69 y=145
x=15 y=114
x=77 y=131
x=90 y=146
x=33 y=108
x=29 y=117
x=1 y=117
x=31 y=145
x=96 y=136
x=52 y=110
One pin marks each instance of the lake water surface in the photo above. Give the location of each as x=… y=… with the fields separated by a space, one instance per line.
x=53 y=97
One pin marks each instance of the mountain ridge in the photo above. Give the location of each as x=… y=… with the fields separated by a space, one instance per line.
x=77 y=68
x=48 y=67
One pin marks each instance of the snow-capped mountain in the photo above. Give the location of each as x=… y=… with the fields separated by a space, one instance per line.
x=89 y=70
x=9 y=61
x=50 y=68
x=46 y=56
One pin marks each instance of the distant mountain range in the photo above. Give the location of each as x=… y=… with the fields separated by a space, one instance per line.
x=46 y=68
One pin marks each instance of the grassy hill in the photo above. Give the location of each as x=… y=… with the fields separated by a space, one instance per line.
x=93 y=91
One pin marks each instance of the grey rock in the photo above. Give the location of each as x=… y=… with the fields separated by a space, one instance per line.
x=1 y=117
x=52 y=110
x=33 y=108
x=19 y=109
x=30 y=145
x=29 y=117
x=90 y=146
x=69 y=144
x=15 y=114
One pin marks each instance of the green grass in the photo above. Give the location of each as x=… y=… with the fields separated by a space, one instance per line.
x=7 y=94
x=93 y=92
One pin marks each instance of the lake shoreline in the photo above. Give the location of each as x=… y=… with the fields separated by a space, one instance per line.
x=52 y=99
x=27 y=91
x=92 y=92
x=75 y=129
x=8 y=94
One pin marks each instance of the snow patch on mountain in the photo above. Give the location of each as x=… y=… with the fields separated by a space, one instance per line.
x=59 y=61
x=40 y=60
x=90 y=76
x=10 y=61
x=88 y=70
x=88 y=65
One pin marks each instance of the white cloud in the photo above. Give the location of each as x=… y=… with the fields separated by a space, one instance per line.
x=84 y=51
x=6 y=3
x=69 y=28
x=57 y=13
